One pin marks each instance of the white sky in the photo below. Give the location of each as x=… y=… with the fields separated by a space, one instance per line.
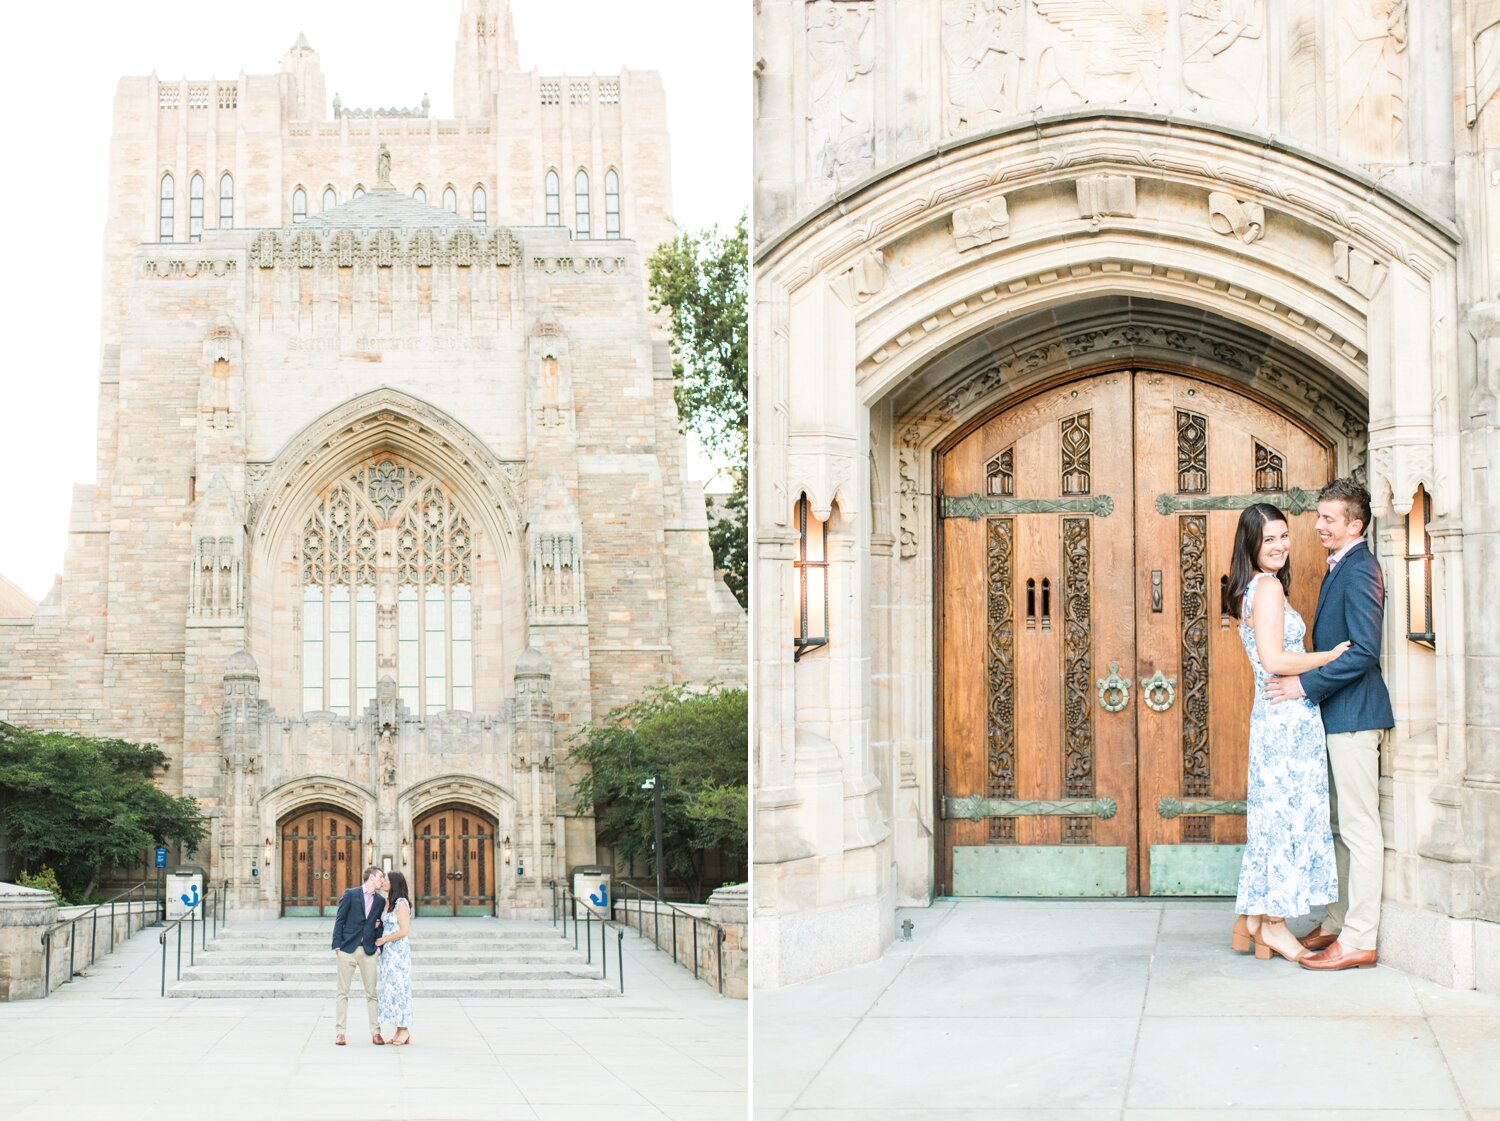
x=61 y=63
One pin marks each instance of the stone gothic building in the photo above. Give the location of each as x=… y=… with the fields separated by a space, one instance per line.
x=391 y=492
x=1046 y=292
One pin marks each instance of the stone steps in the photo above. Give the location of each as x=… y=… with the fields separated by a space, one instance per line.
x=480 y=958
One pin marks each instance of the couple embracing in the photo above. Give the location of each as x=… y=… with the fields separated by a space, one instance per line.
x=1317 y=717
x=371 y=933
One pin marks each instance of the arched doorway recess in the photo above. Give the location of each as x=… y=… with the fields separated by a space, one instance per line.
x=453 y=861
x=1092 y=693
x=320 y=859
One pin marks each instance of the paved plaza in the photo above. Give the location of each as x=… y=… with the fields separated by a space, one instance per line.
x=107 y=1048
x=1125 y=1010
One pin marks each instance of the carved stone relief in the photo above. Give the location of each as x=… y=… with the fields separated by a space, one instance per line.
x=1000 y=703
x=1078 y=704
x=908 y=466
x=981 y=223
x=1227 y=215
x=1484 y=64
x=1372 y=79
x=1224 y=57
x=841 y=90
x=1105 y=196
x=1358 y=269
x=983 y=48
x=861 y=280
x=1100 y=51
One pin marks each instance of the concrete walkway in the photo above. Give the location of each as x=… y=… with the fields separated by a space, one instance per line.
x=108 y=1048
x=1005 y=1010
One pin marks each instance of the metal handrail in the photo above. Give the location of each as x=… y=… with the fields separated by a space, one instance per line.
x=673 y=910
x=92 y=914
x=591 y=915
x=196 y=918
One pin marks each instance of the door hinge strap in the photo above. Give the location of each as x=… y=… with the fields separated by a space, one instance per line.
x=1170 y=807
x=1297 y=500
x=973 y=807
x=976 y=506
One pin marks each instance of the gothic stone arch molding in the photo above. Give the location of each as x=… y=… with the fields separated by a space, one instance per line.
x=310 y=790
x=387 y=419
x=439 y=791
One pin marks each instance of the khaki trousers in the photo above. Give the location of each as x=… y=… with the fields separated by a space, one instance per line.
x=1358 y=847
x=347 y=964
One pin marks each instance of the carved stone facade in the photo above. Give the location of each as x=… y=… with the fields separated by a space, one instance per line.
x=1297 y=202
x=390 y=497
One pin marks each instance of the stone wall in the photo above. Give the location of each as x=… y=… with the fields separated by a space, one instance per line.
x=727 y=910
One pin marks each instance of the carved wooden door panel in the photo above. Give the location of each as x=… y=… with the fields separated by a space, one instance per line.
x=1094 y=696
x=1203 y=454
x=320 y=859
x=455 y=863
x=1038 y=793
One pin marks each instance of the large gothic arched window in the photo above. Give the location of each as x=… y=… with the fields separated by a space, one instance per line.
x=387 y=589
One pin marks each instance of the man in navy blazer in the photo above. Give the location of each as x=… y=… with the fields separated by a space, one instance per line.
x=1356 y=707
x=355 y=929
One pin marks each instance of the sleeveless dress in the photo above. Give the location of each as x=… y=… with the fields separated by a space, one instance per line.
x=1288 y=867
x=395 y=977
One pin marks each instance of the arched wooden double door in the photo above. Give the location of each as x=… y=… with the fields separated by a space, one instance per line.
x=1094 y=696
x=320 y=858
x=453 y=864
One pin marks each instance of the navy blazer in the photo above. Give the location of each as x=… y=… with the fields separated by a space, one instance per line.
x=1351 y=608
x=351 y=928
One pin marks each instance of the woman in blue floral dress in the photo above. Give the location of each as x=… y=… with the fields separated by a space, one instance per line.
x=395 y=960
x=1288 y=867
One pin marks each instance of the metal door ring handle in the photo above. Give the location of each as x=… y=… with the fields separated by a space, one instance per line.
x=1159 y=691
x=1114 y=690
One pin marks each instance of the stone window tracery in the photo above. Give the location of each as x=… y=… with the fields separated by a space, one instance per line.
x=195 y=208
x=299 y=205
x=481 y=205
x=611 y=203
x=581 y=204
x=450 y=200
x=226 y=201
x=554 y=199
x=387 y=589
x=165 y=212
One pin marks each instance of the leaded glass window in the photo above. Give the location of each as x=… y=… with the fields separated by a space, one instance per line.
x=165 y=210
x=383 y=521
x=299 y=205
x=611 y=203
x=481 y=205
x=450 y=200
x=581 y=224
x=554 y=199
x=330 y=198
x=226 y=201
x=195 y=208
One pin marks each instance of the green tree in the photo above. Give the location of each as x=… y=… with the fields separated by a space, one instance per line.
x=701 y=279
x=696 y=741
x=84 y=805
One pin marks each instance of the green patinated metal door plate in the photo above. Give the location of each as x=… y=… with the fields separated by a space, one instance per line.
x=1049 y=871
x=1195 y=869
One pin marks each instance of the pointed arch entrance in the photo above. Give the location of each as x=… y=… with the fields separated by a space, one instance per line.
x=453 y=862
x=320 y=858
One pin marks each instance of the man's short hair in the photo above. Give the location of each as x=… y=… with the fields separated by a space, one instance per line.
x=370 y=871
x=1355 y=498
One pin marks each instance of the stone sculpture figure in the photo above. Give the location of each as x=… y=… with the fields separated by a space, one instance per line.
x=982 y=53
x=841 y=91
x=1107 y=51
x=1224 y=56
x=383 y=167
x=1372 y=81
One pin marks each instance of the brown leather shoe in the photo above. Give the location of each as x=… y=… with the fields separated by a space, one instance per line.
x=1316 y=940
x=1336 y=957
x=375 y=1039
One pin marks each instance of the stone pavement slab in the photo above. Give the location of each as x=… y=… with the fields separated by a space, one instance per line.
x=1133 y=1010
x=107 y=1048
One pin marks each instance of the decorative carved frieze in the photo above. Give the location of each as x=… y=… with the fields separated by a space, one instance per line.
x=1224 y=57
x=1078 y=700
x=164 y=268
x=1270 y=469
x=983 y=50
x=1077 y=454
x=1229 y=216
x=1192 y=453
x=1000 y=693
x=1193 y=561
x=981 y=223
x=1100 y=53
x=385 y=248
x=1371 y=82
x=1000 y=474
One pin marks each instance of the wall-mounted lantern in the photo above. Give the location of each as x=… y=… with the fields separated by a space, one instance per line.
x=369 y=852
x=269 y=850
x=505 y=850
x=811 y=568
x=1419 y=572
x=405 y=853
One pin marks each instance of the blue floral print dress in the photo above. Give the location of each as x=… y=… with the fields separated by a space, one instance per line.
x=395 y=973
x=1288 y=867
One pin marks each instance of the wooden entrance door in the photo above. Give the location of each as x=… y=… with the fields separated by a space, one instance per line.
x=320 y=859
x=1094 y=696
x=454 y=864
